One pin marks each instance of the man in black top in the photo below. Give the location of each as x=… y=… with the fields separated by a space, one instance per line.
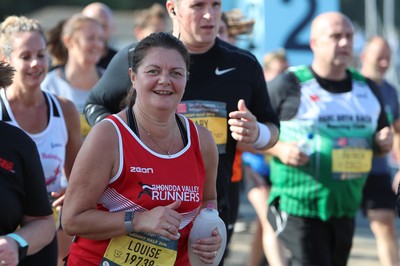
x=226 y=91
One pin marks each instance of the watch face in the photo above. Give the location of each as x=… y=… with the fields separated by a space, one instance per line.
x=128 y=216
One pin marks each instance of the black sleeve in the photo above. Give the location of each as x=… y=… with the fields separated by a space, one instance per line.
x=110 y=91
x=383 y=121
x=284 y=94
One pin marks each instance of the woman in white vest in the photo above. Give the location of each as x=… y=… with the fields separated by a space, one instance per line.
x=52 y=122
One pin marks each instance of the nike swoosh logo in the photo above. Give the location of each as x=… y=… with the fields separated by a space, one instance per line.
x=219 y=72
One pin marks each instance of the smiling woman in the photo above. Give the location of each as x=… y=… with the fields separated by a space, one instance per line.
x=82 y=42
x=135 y=186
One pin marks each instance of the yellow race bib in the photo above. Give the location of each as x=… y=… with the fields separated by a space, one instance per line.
x=140 y=249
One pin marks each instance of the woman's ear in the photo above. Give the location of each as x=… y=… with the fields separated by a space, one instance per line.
x=66 y=39
x=132 y=76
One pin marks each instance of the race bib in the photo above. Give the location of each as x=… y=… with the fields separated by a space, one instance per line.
x=140 y=249
x=351 y=158
x=210 y=114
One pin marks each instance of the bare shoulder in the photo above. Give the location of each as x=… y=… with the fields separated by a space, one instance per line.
x=67 y=106
x=206 y=139
x=103 y=134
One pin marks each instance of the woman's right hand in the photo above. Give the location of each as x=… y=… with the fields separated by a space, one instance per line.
x=8 y=251
x=162 y=220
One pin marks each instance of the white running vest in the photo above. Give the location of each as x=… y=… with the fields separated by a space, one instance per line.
x=51 y=142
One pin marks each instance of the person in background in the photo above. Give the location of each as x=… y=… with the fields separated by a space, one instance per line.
x=274 y=63
x=150 y=20
x=104 y=15
x=233 y=25
x=139 y=189
x=226 y=91
x=26 y=211
x=256 y=170
x=223 y=30
x=58 y=53
x=83 y=39
x=316 y=193
x=52 y=122
x=378 y=196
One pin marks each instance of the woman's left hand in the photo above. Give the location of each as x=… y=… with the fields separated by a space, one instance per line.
x=207 y=248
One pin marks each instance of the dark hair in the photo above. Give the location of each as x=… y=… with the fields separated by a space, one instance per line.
x=6 y=74
x=158 y=39
x=56 y=48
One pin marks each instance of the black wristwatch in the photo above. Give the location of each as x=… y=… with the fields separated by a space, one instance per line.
x=22 y=246
x=128 y=221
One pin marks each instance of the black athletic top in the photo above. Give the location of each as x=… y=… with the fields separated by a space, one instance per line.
x=22 y=186
x=105 y=60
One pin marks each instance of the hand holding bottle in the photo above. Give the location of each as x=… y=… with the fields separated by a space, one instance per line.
x=207 y=239
x=305 y=145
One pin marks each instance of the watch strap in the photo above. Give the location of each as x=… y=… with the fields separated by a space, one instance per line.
x=22 y=245
x=128 y=221
x=21 y=242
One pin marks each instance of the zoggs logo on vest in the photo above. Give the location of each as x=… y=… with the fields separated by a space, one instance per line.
x=143 y=170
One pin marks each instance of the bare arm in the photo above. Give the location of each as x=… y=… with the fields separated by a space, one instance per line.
x=206 y=248
x=396 y=151
x=92 y=171
x=74 y=143
x=384 y=141
x=396 y=139
x=31 y=228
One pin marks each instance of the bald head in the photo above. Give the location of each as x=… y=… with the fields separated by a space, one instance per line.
x=376 y=43
x=331 y=41
x=375 y=58
x=326 y=21
x=102 y=13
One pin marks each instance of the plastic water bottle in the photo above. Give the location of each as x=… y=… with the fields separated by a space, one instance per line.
x=305 y=146
x=207 y=220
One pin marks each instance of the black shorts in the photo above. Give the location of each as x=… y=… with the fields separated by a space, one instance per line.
x=311 y=241
x=378 y=193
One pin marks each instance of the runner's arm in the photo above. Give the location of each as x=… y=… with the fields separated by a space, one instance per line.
x=108 y=95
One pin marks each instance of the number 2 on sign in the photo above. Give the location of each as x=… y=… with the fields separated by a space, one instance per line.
x=292 y=41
